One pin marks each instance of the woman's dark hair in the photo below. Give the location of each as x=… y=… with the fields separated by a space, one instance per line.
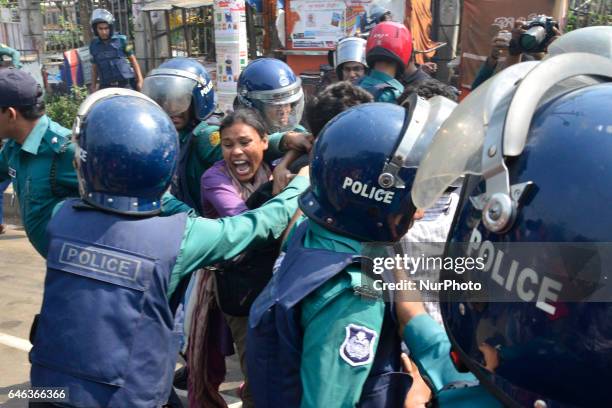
x=247 y=116
x=428 y=88
x=331 y=101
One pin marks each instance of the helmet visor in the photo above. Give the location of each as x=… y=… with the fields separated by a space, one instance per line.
x=172 y=93
x=282 y=115
x=457 y=146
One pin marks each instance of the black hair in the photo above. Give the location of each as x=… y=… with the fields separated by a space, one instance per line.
x=331 y=101
x=427 y=89
x=385 y=17
x=248 y=116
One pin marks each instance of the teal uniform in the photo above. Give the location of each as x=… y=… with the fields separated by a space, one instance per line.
x=325 y=314
x=43 y=175
x=429 y=348
x=204 y=151
x=390 y=88
x=12 y=53
x=207 y=241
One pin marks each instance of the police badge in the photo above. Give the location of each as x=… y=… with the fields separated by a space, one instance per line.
x=358 y=346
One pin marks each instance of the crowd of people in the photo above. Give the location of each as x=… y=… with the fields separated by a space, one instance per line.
x=169 y=229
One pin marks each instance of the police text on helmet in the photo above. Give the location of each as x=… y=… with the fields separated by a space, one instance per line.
x=523 y=281
x=367 y=191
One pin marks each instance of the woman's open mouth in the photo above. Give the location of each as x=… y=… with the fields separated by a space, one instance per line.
x=242 y=167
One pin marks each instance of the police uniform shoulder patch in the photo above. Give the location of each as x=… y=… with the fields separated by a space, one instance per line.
x=214 y=138
x=358 y=346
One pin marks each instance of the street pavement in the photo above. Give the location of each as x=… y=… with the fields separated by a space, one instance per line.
x=21 y=287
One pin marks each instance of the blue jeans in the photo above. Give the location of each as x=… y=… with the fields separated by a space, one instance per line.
x=3 y=186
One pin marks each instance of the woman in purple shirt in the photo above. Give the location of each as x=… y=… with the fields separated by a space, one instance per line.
x=225 y=188
x=228 y=183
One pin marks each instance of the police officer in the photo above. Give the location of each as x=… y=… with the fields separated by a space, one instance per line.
x=12 y=53
x=183 y=88
x=349 y=59
x=311 y=341
x=37 y=156
x=270 y=86
x=111 y=55
x=388 y=52
x=547 y=341
x=114 y=340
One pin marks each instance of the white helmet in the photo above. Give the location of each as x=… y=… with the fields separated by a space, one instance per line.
x=351 y=49
x=594 y=40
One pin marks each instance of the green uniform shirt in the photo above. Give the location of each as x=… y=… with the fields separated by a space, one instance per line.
x=207 y=241
x=429 y=348
x=205 y=151
x=325 y=316
x=393 y=88
x=46 y=150
x=12 y=53
x=128 y=49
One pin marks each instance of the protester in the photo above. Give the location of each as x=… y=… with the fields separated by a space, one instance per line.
x=333 y=100
x=37 y=156
x=428 y=89
x=115 y=343
x=112 y=57
x=226 y=189
x=388 y=52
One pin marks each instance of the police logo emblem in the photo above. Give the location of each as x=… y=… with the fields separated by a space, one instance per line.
x=358 y=346
x=283 y=81
x=214 y=138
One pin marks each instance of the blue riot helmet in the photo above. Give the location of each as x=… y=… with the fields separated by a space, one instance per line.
x=270 y=86
x=101 y=16
x=180 y=83
x=127 y=150
x=535 y=142
x=363 y=165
